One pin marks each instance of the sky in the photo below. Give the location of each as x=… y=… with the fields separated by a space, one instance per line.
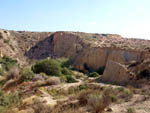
x=129 y=18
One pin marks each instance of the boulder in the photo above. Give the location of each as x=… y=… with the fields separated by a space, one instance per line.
x=115 y=73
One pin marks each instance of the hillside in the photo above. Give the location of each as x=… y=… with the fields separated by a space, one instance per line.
x=22 y=44
x=73 y=72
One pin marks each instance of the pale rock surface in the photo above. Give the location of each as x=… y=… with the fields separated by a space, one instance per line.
x=115 y=72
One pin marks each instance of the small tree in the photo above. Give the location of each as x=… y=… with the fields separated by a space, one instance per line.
x=48 y=66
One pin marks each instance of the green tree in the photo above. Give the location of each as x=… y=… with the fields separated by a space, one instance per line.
x=49 y=66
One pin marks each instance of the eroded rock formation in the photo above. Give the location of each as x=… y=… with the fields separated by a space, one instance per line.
x=87 y=51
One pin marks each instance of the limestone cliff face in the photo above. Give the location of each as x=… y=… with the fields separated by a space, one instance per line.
x=98 y=57
x=91 y=58
x=87 y=51
x=90 y=51
x=65 y=44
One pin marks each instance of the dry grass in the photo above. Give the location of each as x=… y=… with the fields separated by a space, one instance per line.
x=96 y=100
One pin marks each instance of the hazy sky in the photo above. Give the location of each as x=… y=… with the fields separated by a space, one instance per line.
x=129 y=18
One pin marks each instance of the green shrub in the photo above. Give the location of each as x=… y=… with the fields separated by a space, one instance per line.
x=66 y=71
x=127 y=94
x=100 y=70
x=65 y=62
x=130 y=110
x=6 y=41
x=7 y=62
x=120 y=89
x=93 y=74
x=113 y=98
x=70 y=79
x=49 y=66
x=8 y=99
x=26 y=74
x=63 y=78
x=83 y=87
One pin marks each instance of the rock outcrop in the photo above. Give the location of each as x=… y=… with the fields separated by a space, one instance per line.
x=122 y=74
x=87 y=51
x=116 y=73
x=65 y=44
x=91 y=51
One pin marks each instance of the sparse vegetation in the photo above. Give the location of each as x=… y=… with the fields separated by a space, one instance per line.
x=26 y=74
x=93 y=74
x=66 y=71
x=6 y=41
x=70 y=79
x=2 y=72
x=8 y=100
x=52 y=80
x=130 y=110
x=7 y=62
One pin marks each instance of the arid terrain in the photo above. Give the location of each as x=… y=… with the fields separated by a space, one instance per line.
x=73 y=72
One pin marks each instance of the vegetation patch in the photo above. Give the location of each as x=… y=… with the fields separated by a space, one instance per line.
x=8 y=100
x=26 y=74
x=49 y=66
x=93 y=74
x=7 y=62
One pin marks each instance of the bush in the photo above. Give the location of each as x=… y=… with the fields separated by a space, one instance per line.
x=8 y=100
x=66 y=71
x=100 y=70
x=26 y=74
x=83 y=87
x=93 y=74
x=130 y=110
x=83 y=97
x=53 y=81
x=128 y=94
x=95 y=101
x=50 y=81
x=13 y=73
x=7 y=62
x=70 y=79
x=113 y=98
x=48 y=66
x=98 y=101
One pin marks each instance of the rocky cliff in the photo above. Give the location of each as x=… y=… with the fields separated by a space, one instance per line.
x=88 y=51
x=92 y=51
